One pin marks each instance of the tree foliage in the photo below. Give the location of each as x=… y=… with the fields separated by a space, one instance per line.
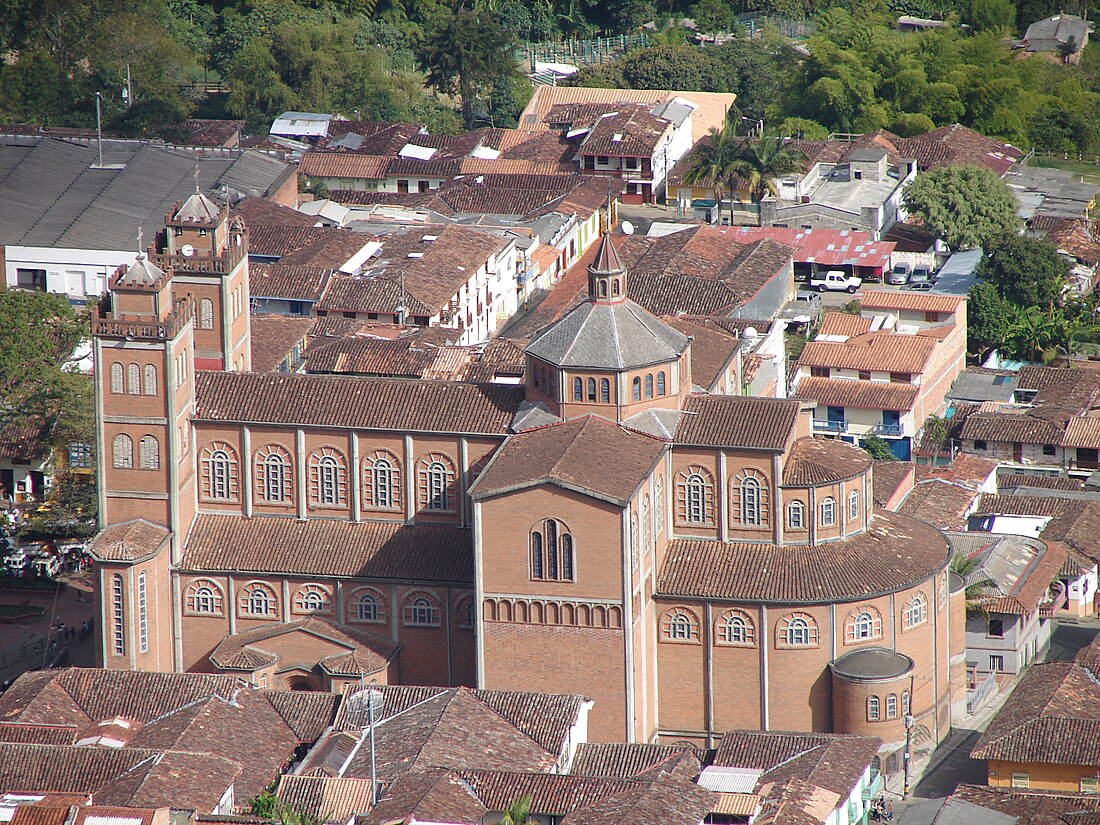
x=988 y=316
x=968 y=206
x=1027 y=271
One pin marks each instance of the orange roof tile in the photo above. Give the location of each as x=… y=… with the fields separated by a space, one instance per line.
x=919 y=301
x=874 y=351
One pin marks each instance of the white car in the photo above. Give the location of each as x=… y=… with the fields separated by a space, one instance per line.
x=835 y=281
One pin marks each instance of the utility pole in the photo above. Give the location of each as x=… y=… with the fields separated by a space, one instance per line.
x=907 y=756
x=129 y=89
x=99 y=127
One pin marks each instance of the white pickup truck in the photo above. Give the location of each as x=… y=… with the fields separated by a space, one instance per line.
x=835 y=281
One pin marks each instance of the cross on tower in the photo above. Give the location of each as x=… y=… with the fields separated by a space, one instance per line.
x=140 y=239
x=196 y=178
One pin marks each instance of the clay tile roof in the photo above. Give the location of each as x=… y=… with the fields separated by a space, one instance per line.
x=372 y=550
x=372 y=356
x=42 y=814
x=38 y=734
x=632 y=131
x=607 y=257
x=331 y=251
x=667 y=799
x=426 y=795
x=622 y=761
x=895 y=552
x=1016 y=427
x=712 y=349
x=991 y=504
x=1016 y=481
x=1038 y=807
x=277 y=241
x=940 y=503
x=674 y=294
x=1082 y=432
x=1077 y=239
x=344 y=165
x=590 y=454
x=24 y=442
x=1052 y=717
x=737 y=421
x=206 y=132
x=325 y=798
x=258 y=212
x=196 y=781
x=551 y=794
x=812 y=461
x=293 y=283
x=364 y=403
x=844 y=323
x=874 y=351
x=365 y=653
x=843 y=392
x=274 y=337
x=889 y=477
x=902 y=300
x=65 y=769
x=128 y=541
x=968 y=470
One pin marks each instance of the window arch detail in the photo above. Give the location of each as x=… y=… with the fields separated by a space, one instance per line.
x=206 y=314
x=863 y=625
x=118 y=379
x=258 y=601
x=149 y=453
x=828 y=512
x=915 y=611
x=220 y=474
x=466 y=613
x=366 y=606
x=420 y=610
x=381 y=481
x=328 y=478
x=312 y=599
x=695 y=497
x=874 y=711
x=122 y=452
x=149 y=386
x=735 y=628
x=796 y=515
x=797 y=630
x=436 y=481
x=203 y=598
x=274 y=475
x=749 y=500
x=853 y=505
x=552 y=552
x=133 y=379
x=680 y=626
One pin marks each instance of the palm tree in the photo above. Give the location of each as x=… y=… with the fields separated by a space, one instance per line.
x=979 y=587
x=518 y=812
x=713 y=164
x=760 y=163
x=1034 y=334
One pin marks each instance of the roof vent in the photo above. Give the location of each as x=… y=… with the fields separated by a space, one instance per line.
x=416 y=254
x=617 y=137
x=429 y=238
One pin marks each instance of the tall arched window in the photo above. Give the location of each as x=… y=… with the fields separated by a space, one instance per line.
x=552 y=556
x=797 y=630
x=578 y=389
x=659 y=509
x=118 y=379
x=381 y=482
x=873 y=713
x=219 y=469
x=592 y=389
x=892 y=706
x=122 y=452
x=796 y=515
x=437 y=478
x=605 y=391
x=206 y=314
x=143 y=614
x=649 y=385
x=273 y=475
x=118 y=616
x=133 y=379
x=149 y=453
x=150 y=385
x=645 y=523
x=828 y=512
x=863 y=625
x=328 y=478
x=735 y=627
x=258 y=601
x=853 y=504
x=750 y=501
x=680 y=625
x=366 y=608
x=916 y=611
x=695 y=491
x=636 y=384
x=661 y=390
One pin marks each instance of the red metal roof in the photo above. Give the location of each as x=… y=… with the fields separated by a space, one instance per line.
x=825 y=247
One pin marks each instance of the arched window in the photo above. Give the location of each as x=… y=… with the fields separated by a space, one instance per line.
x=649 y=385
x=659 y=509
x=695 y=491
x=273 y=475
x=605 y=391
x=863 y=624
x=133 y=379
x=219 y=469
x=916 y=611
x=828 y=512
x=381 y=482
x=552 y=551
x=143 y=614
x=905 y=703
x=122 y=452
x=149 y=453
x=735 y=627
x=680 y=625
x=328 y=478
x=637 y=389
x=853 y=504
x=645 y=523
x=366 y=605
x=421 y=610
x=797 y=630
x=873 y=714
x=206 y=314
x=634 y=544
x=578 y=389
x=150 y=386
x=796 y=515
x=118 y=379
x=892 y=706
x=601 y=289
x=118 y=616
x=661 y=389
x=437 y=478
x=750 y=501
x=465 y=613
x=592 y=389
x=614 y=288
x=204 y=598
x=312 y=598
x=258 y=601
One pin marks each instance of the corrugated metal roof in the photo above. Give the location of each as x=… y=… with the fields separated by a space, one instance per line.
x=730 y=780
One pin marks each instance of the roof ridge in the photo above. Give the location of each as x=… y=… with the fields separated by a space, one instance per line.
x=472 y=692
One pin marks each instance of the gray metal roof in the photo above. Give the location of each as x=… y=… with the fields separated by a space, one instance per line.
x=616 y=336
x=979 y=385
x=1048 y=34
x=51 y=194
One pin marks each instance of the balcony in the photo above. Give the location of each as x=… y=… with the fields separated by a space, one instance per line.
x=888 y=430
x=874 y=786
x=830 y=426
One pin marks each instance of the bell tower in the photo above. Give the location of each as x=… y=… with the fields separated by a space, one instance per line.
x=606 y=275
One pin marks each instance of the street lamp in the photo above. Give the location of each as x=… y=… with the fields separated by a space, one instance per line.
x=758 y=123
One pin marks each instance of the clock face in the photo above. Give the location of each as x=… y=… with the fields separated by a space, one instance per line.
x=187 y=250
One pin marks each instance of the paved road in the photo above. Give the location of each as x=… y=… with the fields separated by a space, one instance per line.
x=1067 y=639
x=954 y=770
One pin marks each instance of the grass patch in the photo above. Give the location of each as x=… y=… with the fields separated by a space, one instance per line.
x=1090 y=171
x=8 y=611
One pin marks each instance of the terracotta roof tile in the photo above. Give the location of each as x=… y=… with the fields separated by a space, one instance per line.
x=666 y=799
x=1015 y=481
x=292 y=283
x=261 y=212
x=630 y=132
x=369 y=550
x=24 y=442
x=551 y=794
x=65 y=769
x=913 y=301
x=1082 y=432
x=889 y=478
x=874 y=351
x=738 y=421
x=843 y=323
x=427 y=795
x=991 y=504
x=325 y=798
x=372 y=356
x=712 y=349
x=241 y=651
x=590 y=454
x=42 y=814
x=1076 y=238
x=196 y=781
x=128 y=541
x=280 y=240
x=1038 y=807
x=331 y=252
x=344 y=165
x=940 y=503
x=895 y=552
x=1016 y=427
x=274 y=337
x=622 y=761
x=843 y=392
x=38 y=734
x=206 y=132
x=366 y=403
x=968 y=470
x=813 y=461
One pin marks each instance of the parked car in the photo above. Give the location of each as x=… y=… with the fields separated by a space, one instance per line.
x=899 y=275
x=920 y=286
x=15 y=562
x=921 y=274
x=45 y=566
x=835 y=281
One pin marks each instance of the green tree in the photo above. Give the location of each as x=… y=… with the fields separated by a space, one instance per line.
x=1028 y=272
x=878 y=448
x=466 y=54
x=988 y=316
x=69 y=512
x=968 y=206
x=992 y=15
x=1034 y=334
x=713 y=164
x=518 y=813
x=759 y=163
x=713 y=16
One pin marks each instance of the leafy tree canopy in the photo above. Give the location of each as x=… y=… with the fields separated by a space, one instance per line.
x=1027 y=271
x=988 y=316
x=968 y=206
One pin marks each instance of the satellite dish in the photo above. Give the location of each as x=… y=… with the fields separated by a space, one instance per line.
x=750 y=332
x=187 y=250
x=628 y=228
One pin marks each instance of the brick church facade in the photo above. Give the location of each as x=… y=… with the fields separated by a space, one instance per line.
x=692 y=563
